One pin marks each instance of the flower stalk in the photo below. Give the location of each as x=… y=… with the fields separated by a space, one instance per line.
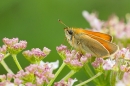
x=71 y=73
x=56 y=74
x=85 y=82
x=6 y=67
x=16 y=62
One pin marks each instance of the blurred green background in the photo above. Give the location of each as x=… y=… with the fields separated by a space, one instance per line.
x=36 y=21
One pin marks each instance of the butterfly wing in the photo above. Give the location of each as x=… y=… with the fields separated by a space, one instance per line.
x=92 y=46
x=98 y=34
x=102 y=38
x=112 y=48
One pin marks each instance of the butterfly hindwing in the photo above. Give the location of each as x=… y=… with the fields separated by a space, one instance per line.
x=93 y=46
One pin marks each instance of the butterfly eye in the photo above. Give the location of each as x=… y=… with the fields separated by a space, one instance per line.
x=70 y=32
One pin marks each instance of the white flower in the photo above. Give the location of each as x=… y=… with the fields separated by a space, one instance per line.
x=108 y=64
x=46 y=50
x=71 y=81
x=126 y=53
x=53 y=65
x=10 y=84
x=120 y=83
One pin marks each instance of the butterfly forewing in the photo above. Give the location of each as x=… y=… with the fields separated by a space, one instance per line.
x=98 y=34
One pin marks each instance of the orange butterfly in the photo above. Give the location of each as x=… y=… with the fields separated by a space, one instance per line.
x=96 y=43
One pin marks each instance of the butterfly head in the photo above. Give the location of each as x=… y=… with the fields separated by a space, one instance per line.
x=69 y=33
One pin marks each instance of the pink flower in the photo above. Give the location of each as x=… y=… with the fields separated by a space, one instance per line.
x=97 y=63
x=29 y=84
x=123 y=53
x=10 y=42
x=37 y=74
x=123 y=68
x=112 y=21
x=75 y=60
x=64 y=83
x=125 y=81
x=93 y=20
x=3 y=49
x=10 y=76
x=36 y=55
x=61 y=48
x=127 y=29
x=3 y=77
x=7 y=84
x=113 y=25
x=13 y=46
x=18 y=81
x=117 y=27
x=1 y=57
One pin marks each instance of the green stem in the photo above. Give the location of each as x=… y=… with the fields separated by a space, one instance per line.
x=16 y=62
x=6 y=55
x=81 y=84
x=57 y=73
x=88 y=70
x=89 y=73
x=72 y=72
x=6 y=67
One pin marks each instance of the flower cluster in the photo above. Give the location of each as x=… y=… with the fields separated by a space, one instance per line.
x=100 y=64
x=40 y=74
x=3 y=51
x=124 y=53
x=97 y=63
x=5 y=80
x=120 y=61
x=61 y=50
x=73 y=59
x=125 y=81
x=115 y=69
x=119 y=29
x=34 y=75
x=114 y=26
x=95 y=23
x=14 y=46
x=36 y=55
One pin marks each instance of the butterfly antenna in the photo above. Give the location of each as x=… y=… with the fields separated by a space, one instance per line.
x=62 y=23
